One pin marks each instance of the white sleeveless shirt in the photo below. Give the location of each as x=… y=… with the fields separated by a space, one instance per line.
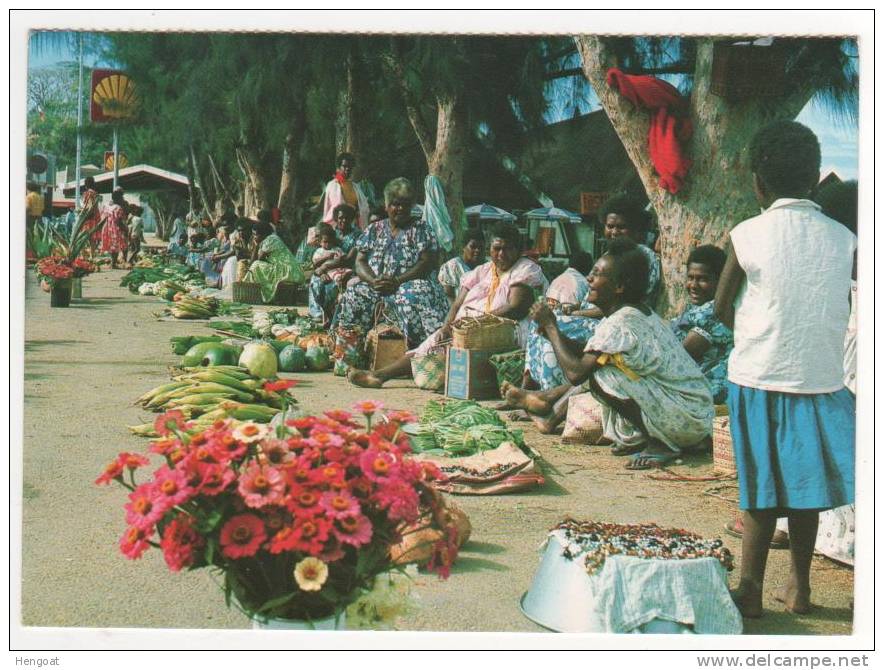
x=791 y=313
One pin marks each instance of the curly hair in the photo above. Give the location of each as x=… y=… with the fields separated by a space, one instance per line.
x=399 y=187
x=345 y=155
x=785 y=156
x=710 y=256
x=508 y=232
x=630 y=267
x=344 y=207
x=630 y=209
x=474 y=234
x=582 y=261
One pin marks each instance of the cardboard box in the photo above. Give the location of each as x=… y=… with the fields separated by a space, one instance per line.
x=469 y=374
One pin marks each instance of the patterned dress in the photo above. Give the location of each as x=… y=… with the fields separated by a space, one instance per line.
x=540 y=357
x=114 y=232
x=700 y=319
x=451 y=273
x=280 y=266
x=322 y=296
x=654 y=272
x=418 y=306
x=646 y=363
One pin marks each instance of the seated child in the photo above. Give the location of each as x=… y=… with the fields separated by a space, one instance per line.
x=329 y=249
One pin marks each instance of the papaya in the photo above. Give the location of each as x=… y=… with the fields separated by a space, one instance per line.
x=209 y=353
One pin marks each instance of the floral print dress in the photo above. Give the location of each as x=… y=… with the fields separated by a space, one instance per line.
x=418 y=306
x=701 y=319
x=643 y=361
x=114 y=232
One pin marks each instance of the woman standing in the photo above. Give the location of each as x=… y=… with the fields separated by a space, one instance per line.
x=136 y=232
x=272 y=262
x=114 y=232
x=784 y=289
x=395 y=260
x=90 y=213
x=343 y=191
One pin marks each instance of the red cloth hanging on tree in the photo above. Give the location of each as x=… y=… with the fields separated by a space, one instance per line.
x=670 y=128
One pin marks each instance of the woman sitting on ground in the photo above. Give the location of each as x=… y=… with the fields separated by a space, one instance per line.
x=272 y=262
x=471 y=256
x=212 y=264
x=621 y=217
x=567 y=297
x=505 y=286
x=323 y=295
x=395 y=261
x=655 y=399
x=706 y=339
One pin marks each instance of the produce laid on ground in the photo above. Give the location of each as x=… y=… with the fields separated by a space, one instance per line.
x=176 y=276
x=459 y=428
x=219 y=392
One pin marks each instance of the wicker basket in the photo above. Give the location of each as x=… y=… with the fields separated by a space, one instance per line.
x=484 y=333
x=428 y=371
x=286 y=294
x=722 y=447
x=247 y=293
x=510 y=366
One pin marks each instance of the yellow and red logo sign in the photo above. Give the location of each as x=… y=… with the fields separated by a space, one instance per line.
x=114 y=97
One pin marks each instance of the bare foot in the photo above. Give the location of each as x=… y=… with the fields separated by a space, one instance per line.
x=365 y=379
x=527 y=400
x=545 y=425
x=797 y=601
x=748 y=601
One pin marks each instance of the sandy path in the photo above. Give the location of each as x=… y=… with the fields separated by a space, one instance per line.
x=85 y=365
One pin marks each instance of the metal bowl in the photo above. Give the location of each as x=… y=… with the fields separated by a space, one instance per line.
x=561 y=597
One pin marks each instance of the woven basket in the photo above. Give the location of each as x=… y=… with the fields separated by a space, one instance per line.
x=583 y=424
x=722 y=447
x=486 y=332
x=242 y=267
x=286 y=294
x=510 y=366
x=428 y=371
x=247 y=293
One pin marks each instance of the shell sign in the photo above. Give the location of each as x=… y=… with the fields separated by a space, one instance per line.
x=114 y=97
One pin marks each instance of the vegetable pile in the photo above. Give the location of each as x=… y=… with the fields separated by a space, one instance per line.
x=459 y=428
x=182 y=278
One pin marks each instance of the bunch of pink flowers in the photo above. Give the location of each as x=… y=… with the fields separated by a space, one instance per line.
x=299 y=520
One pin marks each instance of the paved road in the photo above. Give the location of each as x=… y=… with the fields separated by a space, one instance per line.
x=85 y=365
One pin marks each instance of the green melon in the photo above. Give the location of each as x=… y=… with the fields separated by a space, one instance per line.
x=209 y=353
x=292 y=359
x=318 y=359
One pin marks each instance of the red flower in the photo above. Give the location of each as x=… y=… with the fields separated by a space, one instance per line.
x=340 y=416
x=281 y=385
x=135 y=542
x=402 y=416
x=113 y=470
x=353 y=530
x=368 y=407
x=171 y=488
x=311 y=534
x=400 y=500
x=170 y=421
x=180 y=543
x=227 y=448
x=444 y=553
x=338 y=504
x=132 y=461
x=378 y=466
x=215 y=479
x=284 y=540
x=141 y=510
x=303 y=502
x=164 y=446
x=242 y=536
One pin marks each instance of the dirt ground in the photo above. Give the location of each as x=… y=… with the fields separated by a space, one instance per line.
x=86 y=364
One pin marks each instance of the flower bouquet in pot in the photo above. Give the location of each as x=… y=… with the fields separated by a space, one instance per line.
x=299 y=522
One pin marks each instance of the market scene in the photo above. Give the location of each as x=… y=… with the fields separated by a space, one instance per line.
x=440 y=333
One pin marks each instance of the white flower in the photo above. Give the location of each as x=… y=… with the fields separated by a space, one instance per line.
x=310 y=574
x=249 y=432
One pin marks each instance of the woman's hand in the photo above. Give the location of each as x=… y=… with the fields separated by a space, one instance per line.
x=542 y=315
x=567 y=308
x=385 y=285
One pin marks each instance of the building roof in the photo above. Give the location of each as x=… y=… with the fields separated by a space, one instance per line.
x=140 y=177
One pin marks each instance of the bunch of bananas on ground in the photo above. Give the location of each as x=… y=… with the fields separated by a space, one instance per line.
x=205 y=395
x=193 y=307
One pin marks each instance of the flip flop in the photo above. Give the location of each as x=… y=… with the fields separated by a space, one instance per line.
x=780 y=540
x=626 y=450
x=645 y=461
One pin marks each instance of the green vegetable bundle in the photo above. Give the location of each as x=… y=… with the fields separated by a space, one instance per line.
x=180 y=344
x=460 y=428
x=238 y=327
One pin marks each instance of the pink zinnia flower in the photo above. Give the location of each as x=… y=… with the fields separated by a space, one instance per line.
x=113 y=470
x=169 y=422
x=242 y=536
x=164 y=446
x=135 y=542
x=261 y=485
x=284 y=540
x=400 y=500
x=227 y=448
x=353 y=530
x=170 y=488
x=141 y=510
x=324 y=440
x=303 y=502
x=180 y=543
x=132 y=461
x=275 y=452
x=338 y=504
x=402 y=416
x=378 y=466
x=340 y=416
x=368 y=407
x=310 y=535
x=215 y=479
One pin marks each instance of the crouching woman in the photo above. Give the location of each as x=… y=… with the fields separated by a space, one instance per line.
x=655 y=400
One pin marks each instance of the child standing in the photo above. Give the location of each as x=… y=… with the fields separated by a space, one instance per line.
x=785 y=289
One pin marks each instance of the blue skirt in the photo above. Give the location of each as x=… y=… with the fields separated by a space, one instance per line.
x=792 y=450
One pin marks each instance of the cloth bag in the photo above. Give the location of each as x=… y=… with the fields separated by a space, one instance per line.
x=584 y=422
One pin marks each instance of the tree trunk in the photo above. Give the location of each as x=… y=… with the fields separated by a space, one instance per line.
x=718 y=193
x=447 y=160
x=256 y=180
x=346 y=125
x=291 y=187
x=200 y=186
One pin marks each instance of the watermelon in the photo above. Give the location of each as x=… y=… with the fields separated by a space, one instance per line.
x=209 y=353
x=318 y=358
x=292 y=359
x=278 y=345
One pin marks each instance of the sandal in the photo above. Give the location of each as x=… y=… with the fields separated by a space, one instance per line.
x=780 y=540
x=650 y=461
x=627 y=450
